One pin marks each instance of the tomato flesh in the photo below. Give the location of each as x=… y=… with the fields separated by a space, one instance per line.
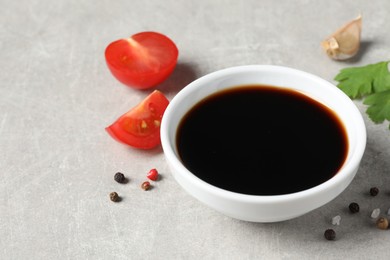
x=140 y=127
x=142 y=61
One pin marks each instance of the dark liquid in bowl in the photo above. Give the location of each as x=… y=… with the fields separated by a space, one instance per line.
x=262 y=140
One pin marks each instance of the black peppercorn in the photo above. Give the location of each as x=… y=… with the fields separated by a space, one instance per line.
x=114 y=197
x=119 y=177
x=354 y=207
x=330 y=234
x=374 y=191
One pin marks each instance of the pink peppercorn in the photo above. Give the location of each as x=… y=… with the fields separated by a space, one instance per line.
x=153 y=175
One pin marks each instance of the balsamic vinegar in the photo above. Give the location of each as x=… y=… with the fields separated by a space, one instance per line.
x=262 y=140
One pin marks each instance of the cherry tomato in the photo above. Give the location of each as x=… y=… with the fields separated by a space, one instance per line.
x=143 y=60
x=140 y=127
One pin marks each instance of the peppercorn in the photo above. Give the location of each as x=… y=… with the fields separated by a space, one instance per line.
x=336 y=220
x=375 y=213
x=114 y=197
x=152 y=175
x=145 y=185
x=374 y=191
x=119 y=177
x=382 y=223
x=354 y=207
x=330 y=234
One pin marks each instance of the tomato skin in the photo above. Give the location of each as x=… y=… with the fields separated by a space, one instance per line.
x=140 y=126
x=142 y=61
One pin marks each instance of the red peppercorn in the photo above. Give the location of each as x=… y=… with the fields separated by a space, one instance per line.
x=153 y=175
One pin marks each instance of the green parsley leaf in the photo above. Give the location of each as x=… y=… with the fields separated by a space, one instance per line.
x=358 y=82
x=379 y=106
x=371 y=82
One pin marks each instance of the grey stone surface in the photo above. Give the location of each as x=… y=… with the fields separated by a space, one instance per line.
x=57 y=163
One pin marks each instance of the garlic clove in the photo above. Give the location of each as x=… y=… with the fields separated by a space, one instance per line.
x=345 y=42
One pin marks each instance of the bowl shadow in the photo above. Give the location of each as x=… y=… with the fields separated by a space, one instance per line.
x=183 y=74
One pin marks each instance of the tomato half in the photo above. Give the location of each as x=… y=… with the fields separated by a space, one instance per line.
x=143 y=60
x=140 y=127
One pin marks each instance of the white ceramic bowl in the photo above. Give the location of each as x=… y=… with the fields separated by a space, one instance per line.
x=264 y=208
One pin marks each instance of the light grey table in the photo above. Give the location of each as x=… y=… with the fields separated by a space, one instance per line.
x=57 y=162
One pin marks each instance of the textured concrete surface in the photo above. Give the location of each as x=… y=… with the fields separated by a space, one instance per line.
x=57 y=163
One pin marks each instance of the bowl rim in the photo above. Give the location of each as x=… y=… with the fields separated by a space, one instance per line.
x=344 y=173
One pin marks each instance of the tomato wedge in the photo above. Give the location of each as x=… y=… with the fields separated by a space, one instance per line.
x=140 y=127
x=142 y=61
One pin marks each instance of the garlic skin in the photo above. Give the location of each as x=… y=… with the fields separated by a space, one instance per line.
x=345 y=42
